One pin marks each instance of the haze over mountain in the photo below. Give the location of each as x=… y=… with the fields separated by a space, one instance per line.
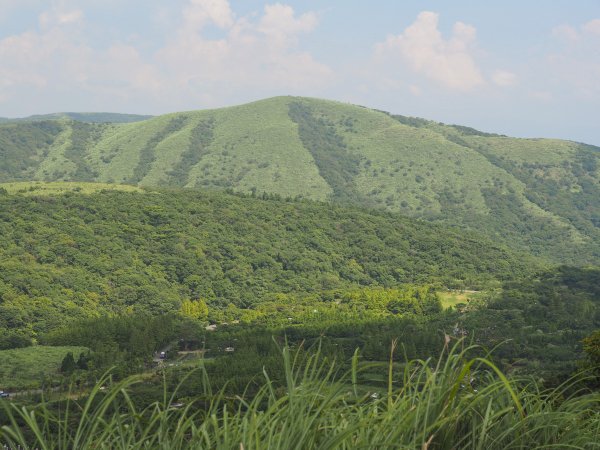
x=539 y=195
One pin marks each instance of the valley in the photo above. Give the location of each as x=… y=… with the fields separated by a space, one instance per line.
x=293 y=247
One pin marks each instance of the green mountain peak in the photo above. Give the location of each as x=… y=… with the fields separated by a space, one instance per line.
x=539 y=195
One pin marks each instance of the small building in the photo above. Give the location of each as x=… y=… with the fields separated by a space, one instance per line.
x=229 y=349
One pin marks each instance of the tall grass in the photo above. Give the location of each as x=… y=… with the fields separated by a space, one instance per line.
x=454 y=402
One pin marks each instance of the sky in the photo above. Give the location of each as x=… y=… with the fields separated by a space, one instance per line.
x=527 y=68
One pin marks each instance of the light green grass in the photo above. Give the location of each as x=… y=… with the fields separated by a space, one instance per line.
x=257 y=146
x=121 y=146
x=56 y=166
x=57 y=187
x=168 y=152
x=452 y=298
x=403 y=163
x=546 y=151
x=27 y=367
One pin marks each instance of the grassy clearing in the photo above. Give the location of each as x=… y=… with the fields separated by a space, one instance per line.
x=27 y=367
x=59 y=187
x=458 y=401
x=452 y=298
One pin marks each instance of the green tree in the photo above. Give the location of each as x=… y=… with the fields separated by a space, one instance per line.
x=194 y=309
x=68 y=364
x=82 y=362
x=591 y=347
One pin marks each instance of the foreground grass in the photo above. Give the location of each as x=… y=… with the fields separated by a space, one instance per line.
x=25 y=368
x=456 y=402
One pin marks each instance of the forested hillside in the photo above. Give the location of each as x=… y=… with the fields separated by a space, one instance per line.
x=537 y=195
x=78 y=255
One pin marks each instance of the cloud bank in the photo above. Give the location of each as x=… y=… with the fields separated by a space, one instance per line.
x=422 y=47
x=250 y=54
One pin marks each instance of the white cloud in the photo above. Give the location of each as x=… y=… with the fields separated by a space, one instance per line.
x=280 y=25
x=504 y=78
x=251 y=54
x=255 y=53
x=592 y=27
x=449 y=62
x=575 y=66
x=198 y=13
x=573 y=34
x=60 y=17
x=565 y=32
x=35 y=60
x=415 y=90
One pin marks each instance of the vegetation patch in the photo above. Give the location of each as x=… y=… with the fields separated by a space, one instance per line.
x=56 y=188
x=147 y=155
x=337 y=165
x=23 y=147
x=76 y=152
x=200 y=139
x=459 y=401
x=30 y=367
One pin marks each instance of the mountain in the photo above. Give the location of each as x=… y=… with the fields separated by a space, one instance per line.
x=536 y=195
x=83 y=254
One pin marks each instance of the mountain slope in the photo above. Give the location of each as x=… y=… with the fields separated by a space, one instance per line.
x=538 y=195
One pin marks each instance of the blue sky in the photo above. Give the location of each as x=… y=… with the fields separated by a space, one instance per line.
x=523 y=68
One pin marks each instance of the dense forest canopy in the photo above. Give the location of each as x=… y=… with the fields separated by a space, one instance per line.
x=78 y=255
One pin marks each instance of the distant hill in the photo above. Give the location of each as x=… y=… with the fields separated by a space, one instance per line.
x=538 y=195
x=91 y=117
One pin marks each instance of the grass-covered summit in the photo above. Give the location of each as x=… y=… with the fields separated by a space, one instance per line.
x=541 y=195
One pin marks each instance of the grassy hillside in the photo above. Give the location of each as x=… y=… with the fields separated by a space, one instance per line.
x=538 y=195
x=28 y=367
x=76 y=256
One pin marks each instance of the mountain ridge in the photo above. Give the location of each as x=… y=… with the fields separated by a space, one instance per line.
x=536 y=194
